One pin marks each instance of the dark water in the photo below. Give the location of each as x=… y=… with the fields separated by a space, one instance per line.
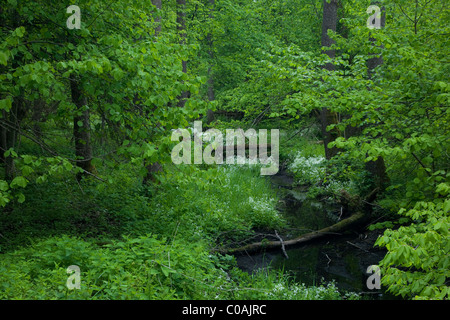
x=343 y=259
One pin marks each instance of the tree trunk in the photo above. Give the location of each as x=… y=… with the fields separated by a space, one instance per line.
x=9 y=133
x=8 y=138
x=36 y=117
x=211 y=95
x=181 y=22
x=326 y=116
x=81 y=128
x=155 y=167
x=374 y=62
x=377 y=168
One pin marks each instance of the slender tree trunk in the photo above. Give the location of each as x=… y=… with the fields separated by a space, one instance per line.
x=211 y=94
x=374 y=62
x=8 y=140
x=377 y=168
x=81 y=128
x=9 y=133
x=10 y=121
x=326 y=116
x=155 y=167
x=36 y=117
x=181 y=22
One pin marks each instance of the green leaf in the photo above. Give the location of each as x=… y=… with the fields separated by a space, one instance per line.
x=27 y=170
x=3 y=185
x=446 y=206
x=41 y=179
x=167 y=270
x=19 y=181
x=20 y=32
x=27 y=159
x=3 y=58
x=5 y=104
x=20 y=198
x=67 y=165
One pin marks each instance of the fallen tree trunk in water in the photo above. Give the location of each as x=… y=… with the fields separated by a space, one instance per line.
x=341 y=226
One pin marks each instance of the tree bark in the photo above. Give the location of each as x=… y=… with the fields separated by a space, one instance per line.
x=9 y=133
x=181 y=26
x=155 y=167
x=327 y=117
x=211 y=94
x=81 y=128
x=377 y=168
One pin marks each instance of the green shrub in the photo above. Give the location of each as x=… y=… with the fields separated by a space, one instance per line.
x=145 y=267
x=135 y=268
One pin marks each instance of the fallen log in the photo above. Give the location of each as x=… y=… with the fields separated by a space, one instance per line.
x=339 y=227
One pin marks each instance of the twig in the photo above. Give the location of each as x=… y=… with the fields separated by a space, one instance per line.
x=282 y=245
x=342 y=209
x=420 y=162
x=260 y=116
x=356 y=246
x=329 y=260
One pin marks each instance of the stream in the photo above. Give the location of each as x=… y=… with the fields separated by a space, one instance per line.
x=343 y=259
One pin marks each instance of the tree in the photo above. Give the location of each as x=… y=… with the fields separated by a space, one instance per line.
x=209 y=39
x=181 y=27
x=327 y=117
x=110 y=70
x=81 y=127
x=377 y=168
x=156 y=166
x=399 y=95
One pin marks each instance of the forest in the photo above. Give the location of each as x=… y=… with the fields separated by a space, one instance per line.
x=224 y=150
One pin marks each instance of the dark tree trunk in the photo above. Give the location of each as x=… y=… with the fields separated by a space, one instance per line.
x=81 y=128
x=377 y=168
x=156 y=167
x=36 y=117
x=8 y=139
x=326 y=116
x=211 y=94
x=329 y=22
x=10 y=121
x=374 y=62
x=9 y=133
x=181 y=22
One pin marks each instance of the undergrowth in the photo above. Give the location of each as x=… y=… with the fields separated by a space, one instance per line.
x=143 y=242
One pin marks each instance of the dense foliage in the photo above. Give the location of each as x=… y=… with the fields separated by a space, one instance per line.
x=86 y=116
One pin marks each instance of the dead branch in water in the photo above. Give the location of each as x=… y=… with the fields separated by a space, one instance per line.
x=338 y=228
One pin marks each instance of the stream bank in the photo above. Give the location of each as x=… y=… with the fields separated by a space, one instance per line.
x=343 y=259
